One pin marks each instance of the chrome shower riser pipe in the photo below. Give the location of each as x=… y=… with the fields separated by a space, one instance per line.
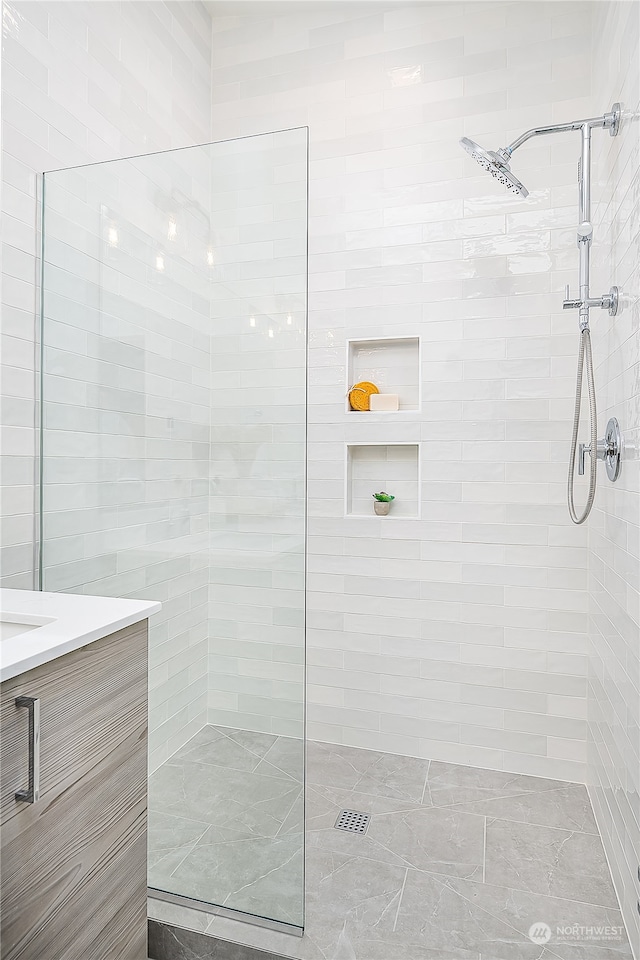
x=608 y=121
x=497 y=163
x=585 y=233
x=584 y=300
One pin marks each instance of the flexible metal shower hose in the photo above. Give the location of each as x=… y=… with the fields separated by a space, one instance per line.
x=584 y=359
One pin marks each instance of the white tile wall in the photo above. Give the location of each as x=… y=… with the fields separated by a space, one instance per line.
x=82 y=82
x=258 y=366
x=614 y=532
x=163 y=439
x=127 y=443
x=126 y=392
x=460 y=635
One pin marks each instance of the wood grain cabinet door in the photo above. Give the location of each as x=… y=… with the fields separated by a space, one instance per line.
x=73 y=867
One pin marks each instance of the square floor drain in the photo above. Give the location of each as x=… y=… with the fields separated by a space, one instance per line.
x=353 y=821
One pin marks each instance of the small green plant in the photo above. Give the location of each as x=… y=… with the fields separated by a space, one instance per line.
x=383 y=497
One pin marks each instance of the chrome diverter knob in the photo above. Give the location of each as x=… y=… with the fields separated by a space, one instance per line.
x=609 y=450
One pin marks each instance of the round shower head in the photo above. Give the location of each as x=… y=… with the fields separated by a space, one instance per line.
x=496 y=165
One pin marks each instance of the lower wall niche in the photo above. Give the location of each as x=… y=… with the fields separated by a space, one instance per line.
x=394 y=468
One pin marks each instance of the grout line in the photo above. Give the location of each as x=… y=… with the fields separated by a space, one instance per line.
x=484 y=850
x=444 y=877
x=364 y=793
x=456 y=806
x=453 y=807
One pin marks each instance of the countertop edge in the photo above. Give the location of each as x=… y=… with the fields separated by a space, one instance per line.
x=40 y=650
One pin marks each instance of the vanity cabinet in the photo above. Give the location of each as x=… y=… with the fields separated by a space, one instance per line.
x=73 y=864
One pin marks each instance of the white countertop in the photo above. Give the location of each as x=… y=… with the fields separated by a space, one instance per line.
x=59 y=623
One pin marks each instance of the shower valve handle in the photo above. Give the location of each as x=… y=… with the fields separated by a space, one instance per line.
x=583 y=450
x=604 y=449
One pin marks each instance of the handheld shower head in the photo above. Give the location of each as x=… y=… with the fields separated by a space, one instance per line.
x=497 y=164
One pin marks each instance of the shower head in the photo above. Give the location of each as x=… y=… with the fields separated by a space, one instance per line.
x=497 y=164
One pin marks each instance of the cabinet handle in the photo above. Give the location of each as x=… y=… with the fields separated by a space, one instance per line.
x=32 y=794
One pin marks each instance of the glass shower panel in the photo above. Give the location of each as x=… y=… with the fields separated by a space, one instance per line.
x=258 y=430
x=173 y=459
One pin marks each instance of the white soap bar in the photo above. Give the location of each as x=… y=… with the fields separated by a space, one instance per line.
x=383 y=401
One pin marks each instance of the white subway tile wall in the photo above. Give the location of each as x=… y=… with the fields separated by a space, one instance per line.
x=126 y=402
x=614 y=531
x=460 y=635
x=258 y=418
x=128 y=347
x=162 y=437
x=81 y=81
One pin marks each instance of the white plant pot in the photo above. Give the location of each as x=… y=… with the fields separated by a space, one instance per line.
x=381 y=507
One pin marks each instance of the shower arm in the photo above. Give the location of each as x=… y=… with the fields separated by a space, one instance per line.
x=608 y=121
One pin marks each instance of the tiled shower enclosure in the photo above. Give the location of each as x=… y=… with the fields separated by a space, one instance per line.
x=474 y=630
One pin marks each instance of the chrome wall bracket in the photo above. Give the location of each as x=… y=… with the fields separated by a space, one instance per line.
x=609 y=450
x=609 y=301
x=612 y=120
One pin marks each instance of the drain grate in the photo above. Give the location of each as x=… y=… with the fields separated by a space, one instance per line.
x=353 y=821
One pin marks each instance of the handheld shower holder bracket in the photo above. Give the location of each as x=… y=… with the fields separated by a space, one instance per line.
x=570 y=303
x=610 y=301
x=585 y=232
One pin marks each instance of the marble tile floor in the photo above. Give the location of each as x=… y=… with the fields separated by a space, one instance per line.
x=226 y=822
x=458 y=863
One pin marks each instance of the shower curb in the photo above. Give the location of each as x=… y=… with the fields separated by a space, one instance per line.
x=167 y=942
